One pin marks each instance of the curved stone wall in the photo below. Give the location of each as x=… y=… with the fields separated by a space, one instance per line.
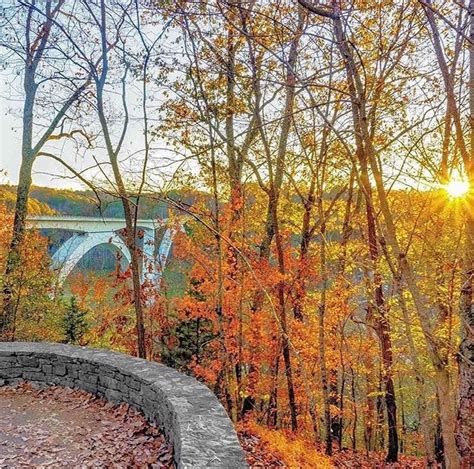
x=191 y=417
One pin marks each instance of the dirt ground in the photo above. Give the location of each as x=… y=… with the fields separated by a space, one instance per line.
x=59 y=427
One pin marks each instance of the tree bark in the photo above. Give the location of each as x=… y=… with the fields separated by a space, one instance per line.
x=34 y=53
x=465 y=417
x=321 y=334
x=131 y=229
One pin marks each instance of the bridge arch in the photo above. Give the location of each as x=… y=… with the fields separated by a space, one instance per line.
x=75 y=248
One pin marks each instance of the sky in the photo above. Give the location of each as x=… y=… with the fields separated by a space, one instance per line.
x=46 y=172
x=10 y=143
x=10 y=134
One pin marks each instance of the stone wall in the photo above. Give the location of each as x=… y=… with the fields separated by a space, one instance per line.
x=191 y=417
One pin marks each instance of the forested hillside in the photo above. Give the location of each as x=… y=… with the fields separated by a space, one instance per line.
x=46 y=201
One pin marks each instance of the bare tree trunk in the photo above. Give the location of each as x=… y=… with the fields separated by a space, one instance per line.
x=362 y=144
x=235 y=161
x=283 y=321
x=382 y=324
x=36 y=45
x=442 y=380
x=321 y=335
x=272 y=417
x=222 y=381
x=306 y=233
x=131 y=232
x=276 y=174
x=370 y=409
x=402 y=416
x=465 y=417
x=425 y=419
x=7 y=326
x=354 y=404
x=314 y=420
x=357 y=94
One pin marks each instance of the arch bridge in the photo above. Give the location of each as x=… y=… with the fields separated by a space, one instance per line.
x=90 y=232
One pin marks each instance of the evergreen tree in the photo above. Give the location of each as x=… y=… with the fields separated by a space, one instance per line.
x=75 y=323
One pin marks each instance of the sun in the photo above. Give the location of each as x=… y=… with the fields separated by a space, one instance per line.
x=457 y=188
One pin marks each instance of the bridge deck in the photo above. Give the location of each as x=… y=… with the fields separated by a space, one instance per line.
x=86 y=224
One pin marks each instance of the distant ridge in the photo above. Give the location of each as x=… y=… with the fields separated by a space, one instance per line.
x=68 y=202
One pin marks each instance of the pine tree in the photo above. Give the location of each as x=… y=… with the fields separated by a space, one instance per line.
x=75 y=323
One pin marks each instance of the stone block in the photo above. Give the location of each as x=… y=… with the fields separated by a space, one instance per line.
x=89 y=387
x=108 y=382
x=8 y=362
x=132 y=382
x=33 y=375
x=113 y=396
x=13 y=372
x=59 y=369
x=136 y=399
x=87 y=377
x=30 y=362
x=73 y=370
x=123 y=388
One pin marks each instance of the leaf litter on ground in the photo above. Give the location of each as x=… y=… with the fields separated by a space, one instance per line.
x=59 y=427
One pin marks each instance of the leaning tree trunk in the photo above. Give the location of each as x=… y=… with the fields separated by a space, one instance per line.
x=465 y=417
x=381 y=321
x=130 y=235
x=38 y=38
x=441 y=372
x=363 y=149
x=7 y=315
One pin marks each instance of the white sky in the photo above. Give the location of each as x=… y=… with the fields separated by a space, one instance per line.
x=10 y=143
x=47 y=172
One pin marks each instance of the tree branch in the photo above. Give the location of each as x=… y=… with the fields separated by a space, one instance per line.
x=319 y=10
x=73 y=171
x=49 y=131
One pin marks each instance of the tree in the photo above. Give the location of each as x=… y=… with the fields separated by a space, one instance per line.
x=38 y=48
x=110 y=60
x=321 y=262
x=34 y=310
x=75 y=323
x=464 y=31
